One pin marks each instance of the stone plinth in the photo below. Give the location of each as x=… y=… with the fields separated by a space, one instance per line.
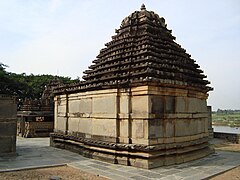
x=8 y=125
x=145 y=126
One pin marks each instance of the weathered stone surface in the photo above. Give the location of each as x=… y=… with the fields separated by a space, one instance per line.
x=8 y=125
x=60 y=123
x=8 y=145
x=104 y=105
x=140 y=106
x=210 y=128
x=104 y=127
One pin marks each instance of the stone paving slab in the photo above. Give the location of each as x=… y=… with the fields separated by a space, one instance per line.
x=36 y=153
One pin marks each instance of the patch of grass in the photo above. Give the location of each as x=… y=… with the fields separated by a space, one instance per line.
x=232 y=120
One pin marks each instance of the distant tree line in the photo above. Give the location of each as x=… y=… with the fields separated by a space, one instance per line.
x=226 y=111
x=26 y=86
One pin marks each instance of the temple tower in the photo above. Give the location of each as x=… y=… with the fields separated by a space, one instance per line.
x=142 y=101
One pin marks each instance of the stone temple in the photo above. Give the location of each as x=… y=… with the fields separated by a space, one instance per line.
x=142 y=101
x=35 y=117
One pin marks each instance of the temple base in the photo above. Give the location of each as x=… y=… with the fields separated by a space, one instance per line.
x=145 y=126
x=131 y=154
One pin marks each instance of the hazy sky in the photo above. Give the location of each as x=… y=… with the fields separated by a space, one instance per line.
x=62 y=37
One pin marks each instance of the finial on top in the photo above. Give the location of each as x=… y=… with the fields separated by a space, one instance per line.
x=143 y=7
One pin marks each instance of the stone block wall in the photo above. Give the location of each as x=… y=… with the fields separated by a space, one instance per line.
x=231 y=137
x=144 y=126
x=90 y=115
x=8 y=125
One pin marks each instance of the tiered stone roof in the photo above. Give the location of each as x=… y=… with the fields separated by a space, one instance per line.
x=46 y=102
x=143 y=51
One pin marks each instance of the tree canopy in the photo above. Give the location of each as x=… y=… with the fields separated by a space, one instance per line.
x=26 y=86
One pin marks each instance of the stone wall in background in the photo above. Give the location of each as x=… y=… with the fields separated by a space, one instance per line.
x=232 y=137
x=8 y=125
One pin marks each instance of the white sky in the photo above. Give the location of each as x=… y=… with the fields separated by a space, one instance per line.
x=62 y=37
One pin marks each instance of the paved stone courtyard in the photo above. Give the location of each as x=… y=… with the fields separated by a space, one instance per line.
x=36 y=153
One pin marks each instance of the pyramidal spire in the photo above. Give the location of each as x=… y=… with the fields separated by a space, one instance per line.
x=143 y=52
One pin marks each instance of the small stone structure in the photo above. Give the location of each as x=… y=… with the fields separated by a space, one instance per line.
x=142 y=102
x=8 y=125
x=231 y=137
x=210 y=128
x=34 y=120
x=35 y=117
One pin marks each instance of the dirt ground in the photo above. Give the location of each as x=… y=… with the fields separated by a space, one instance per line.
x=54 y=173
x=233 y=174
x=227 y=146
x=69 y=173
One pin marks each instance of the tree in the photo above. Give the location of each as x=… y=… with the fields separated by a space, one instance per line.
x=26 y=86
x=5 y=81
